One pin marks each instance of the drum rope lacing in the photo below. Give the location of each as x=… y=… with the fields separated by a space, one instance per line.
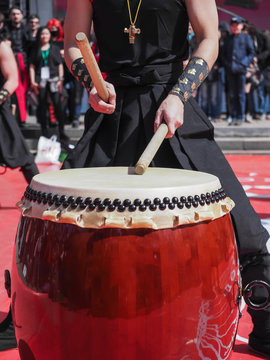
x=116 y=204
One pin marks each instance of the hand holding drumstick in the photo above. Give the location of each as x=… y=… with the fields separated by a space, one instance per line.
x=103 y=100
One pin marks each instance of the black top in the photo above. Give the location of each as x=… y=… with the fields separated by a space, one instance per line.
x=19 y=38
x=54 y=60
x=163 y=37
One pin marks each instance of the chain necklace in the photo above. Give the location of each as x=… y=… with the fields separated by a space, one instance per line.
x=132 y=30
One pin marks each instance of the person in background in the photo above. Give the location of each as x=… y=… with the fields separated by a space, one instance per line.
x=237 y=54
x=19 y=43
x=46 y=77
x=72 y=88
x=222 y=89
x=33 y=25
x=262 y=48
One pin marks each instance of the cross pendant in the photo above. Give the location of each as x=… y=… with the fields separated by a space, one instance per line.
x=132 y=31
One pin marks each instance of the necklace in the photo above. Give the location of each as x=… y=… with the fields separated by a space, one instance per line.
x=132 y=30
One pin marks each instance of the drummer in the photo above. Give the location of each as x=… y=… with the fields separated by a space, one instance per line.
x=142 y=47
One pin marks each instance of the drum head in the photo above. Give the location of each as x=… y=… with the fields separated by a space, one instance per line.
x=117 y=197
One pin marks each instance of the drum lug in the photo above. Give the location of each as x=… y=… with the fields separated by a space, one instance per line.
x=8 y=282
x=248 y=292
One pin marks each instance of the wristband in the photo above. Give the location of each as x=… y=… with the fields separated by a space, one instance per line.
x=193 y=75
x=79 y=70
x=4 y=94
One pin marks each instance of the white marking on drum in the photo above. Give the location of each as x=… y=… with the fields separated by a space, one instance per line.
x=233 y=274
x=262 y=187
x=240 y=338
x=212 y=334
x=253 y=174
x=247 y=187
x=242 y=305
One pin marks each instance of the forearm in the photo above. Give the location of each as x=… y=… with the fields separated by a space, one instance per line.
x=61 y=71
x=11 y=85
x=207 y=49
x=32 y=74
x=78 y=19
x=7 y=89
x=203 y=17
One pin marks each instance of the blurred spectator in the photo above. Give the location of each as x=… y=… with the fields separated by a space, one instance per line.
x=33 y=25
x=46 y=76
x=266 y=74
x=19 y=43
x=222 y=89
x=57 y=37
x=73 y=89
x=18 y=32
x=262 y=49
x=237 y=54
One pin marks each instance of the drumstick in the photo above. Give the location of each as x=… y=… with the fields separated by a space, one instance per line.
x=151 y=149
x=92 y=66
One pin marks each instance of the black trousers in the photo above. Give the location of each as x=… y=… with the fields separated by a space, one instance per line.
x=42 y=109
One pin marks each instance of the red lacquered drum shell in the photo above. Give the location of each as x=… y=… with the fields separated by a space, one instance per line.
x=114 y=293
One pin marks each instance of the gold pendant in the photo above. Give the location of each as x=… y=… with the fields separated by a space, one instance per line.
x=132 y=31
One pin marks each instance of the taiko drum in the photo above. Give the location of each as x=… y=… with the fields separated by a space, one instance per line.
x=109 y=265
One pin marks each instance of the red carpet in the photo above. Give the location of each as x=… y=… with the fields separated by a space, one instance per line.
x=252 y=171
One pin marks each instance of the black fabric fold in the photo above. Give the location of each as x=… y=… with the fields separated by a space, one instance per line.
x=13 y=148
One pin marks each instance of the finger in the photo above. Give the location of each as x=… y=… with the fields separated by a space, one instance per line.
x=112 y=94
x=100 y=106
x=171 y=131
x=158 y=120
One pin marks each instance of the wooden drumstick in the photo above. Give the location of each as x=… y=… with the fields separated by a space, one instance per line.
x=92 y=66
x=151 y=149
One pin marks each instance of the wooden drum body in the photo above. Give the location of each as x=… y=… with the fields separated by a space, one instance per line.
x=134 y=289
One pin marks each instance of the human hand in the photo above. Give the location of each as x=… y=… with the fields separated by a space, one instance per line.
x=171 y=111
x=98 y=104
x=35 y=87
x=60 y=86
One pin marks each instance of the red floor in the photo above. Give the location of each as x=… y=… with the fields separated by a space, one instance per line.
x=252 y=171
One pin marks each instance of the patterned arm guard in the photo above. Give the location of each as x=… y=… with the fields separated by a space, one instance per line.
x=79 y=70
x=4 y=94
x=192 y=77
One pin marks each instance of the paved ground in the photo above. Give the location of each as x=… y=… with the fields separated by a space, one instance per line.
x=251 y=137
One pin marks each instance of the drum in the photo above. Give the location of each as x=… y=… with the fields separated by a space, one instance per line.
x=110 y=265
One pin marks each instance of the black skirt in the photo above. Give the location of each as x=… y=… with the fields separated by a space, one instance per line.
x=13 y=148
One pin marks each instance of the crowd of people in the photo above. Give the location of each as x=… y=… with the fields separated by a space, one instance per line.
x=46 y=88
x=238 y=87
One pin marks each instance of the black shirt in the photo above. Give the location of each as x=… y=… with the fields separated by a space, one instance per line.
x=54 y=60
x=163 y=37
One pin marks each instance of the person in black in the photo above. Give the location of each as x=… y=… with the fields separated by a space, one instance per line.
x=14 y=152
x=46 y=77
x=142 y=56
x=237 y=54
x=20 y=46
